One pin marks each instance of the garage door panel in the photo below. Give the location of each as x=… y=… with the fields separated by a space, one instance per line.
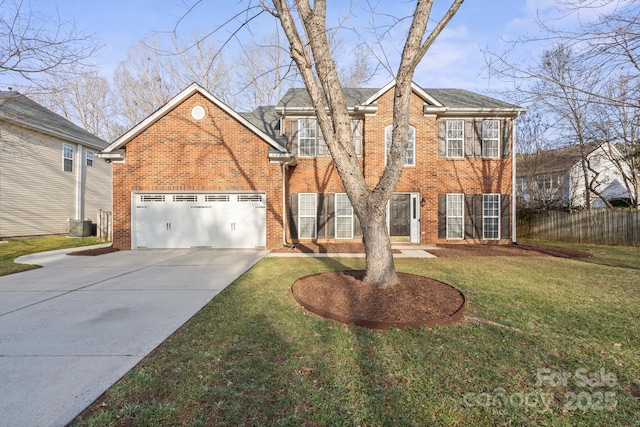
x=200 y=220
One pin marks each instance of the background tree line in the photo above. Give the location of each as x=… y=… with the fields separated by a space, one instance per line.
x=584 y=87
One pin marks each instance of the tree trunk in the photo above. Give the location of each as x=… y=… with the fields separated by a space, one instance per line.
x=381 y=270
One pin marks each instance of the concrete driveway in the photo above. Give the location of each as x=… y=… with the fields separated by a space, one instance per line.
x=70 y=330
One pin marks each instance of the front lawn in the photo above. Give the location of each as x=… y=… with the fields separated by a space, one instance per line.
x=562 y=350
x=13 y=249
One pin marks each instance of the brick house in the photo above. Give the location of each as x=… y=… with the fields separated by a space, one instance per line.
x=198 y=174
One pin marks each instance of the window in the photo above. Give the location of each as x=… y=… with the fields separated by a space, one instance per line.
x=344 y=217
x=491 y=138
x=88 y=155
x=312 y=144
x=307 y=137
x=490 y=216
x=545 y=182
x=307 y=215
x=455 y=138
x=410 y=157
x=67 y=157
x=455 y=216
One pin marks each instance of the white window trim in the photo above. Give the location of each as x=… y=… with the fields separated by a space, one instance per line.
x=314 y=215
x=411 y=146
x=447 y=139
x=89 y=156
x=64 y=157
x=484 y=237
x=496 y=139
x=461 y=196
x=315 y=137
x=350 y=216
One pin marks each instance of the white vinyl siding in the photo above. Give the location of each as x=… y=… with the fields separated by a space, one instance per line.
x=491 y=138
x=46 y=195
x=455 y=138
x=67 y=157
x=307 y=216
x=491 y=216
x=344 y=216
x=455 y=216
x=410 y=156
x=307 y=137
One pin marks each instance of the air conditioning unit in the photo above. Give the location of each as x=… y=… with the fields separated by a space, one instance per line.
x=79 y=228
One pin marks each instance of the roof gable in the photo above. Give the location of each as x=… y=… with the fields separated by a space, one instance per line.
x=559 y=160
x=22 y=111
x=177 y=100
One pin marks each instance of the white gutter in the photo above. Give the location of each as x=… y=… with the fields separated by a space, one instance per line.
x=513 y=183
x=79 y=187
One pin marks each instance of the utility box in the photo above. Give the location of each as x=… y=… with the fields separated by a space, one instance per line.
x=80 y=228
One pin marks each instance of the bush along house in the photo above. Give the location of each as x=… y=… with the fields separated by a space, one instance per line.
x=196 y=173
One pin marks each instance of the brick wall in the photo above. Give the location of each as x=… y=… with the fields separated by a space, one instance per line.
x=429 y=177
x=179 y=153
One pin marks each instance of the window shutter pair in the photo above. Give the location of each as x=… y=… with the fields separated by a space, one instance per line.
x=473 y=138
x=473 y=216
x=325 y=217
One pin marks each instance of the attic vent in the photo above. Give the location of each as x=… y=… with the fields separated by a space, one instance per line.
x=152 y=197
x=216 y=198
x=185 y=197
x=249 y=197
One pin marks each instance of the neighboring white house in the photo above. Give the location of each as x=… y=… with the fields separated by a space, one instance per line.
x=556 y=178
x=49 y=170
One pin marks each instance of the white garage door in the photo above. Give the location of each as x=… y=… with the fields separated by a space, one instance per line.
x=187 y=220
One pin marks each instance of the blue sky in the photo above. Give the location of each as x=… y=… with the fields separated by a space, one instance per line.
x=455 y=60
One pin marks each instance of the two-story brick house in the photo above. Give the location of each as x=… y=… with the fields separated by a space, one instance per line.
x=196 y=173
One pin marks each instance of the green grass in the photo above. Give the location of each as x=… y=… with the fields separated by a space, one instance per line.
x=253 y=357
x=13 y=249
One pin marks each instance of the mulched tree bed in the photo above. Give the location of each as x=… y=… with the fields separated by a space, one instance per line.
x=415 y=301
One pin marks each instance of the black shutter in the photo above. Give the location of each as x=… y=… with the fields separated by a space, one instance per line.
x=469 y=216
x=469 y=146
x=442 y=216
x=331 y=215
x=293 y=216
x=294 y=138
x=477 y=146
x=478 y=209
x=442 y=138
x=321 y=216
x=506 y=138
x=505 y=216
x=321 y=145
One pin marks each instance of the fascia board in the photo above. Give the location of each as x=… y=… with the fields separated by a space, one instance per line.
x=162 y=111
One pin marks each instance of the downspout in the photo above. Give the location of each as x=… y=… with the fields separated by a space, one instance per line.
x=79 y=189
x=513 y=183
x=284 y=204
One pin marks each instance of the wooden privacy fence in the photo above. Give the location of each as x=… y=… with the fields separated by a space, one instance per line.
x=597 y=226
x=104 y=227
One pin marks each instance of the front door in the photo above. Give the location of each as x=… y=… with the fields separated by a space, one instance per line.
x=400 y=217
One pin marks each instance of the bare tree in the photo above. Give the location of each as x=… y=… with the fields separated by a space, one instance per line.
x=265 y=72
x=33 y=45
x=305 y=26
x=154 y=72
x=86 y=99
x=620 y=125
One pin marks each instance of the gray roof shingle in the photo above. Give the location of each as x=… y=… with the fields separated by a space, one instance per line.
x=267 y=120
x=452 y=98
x=18 y=109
